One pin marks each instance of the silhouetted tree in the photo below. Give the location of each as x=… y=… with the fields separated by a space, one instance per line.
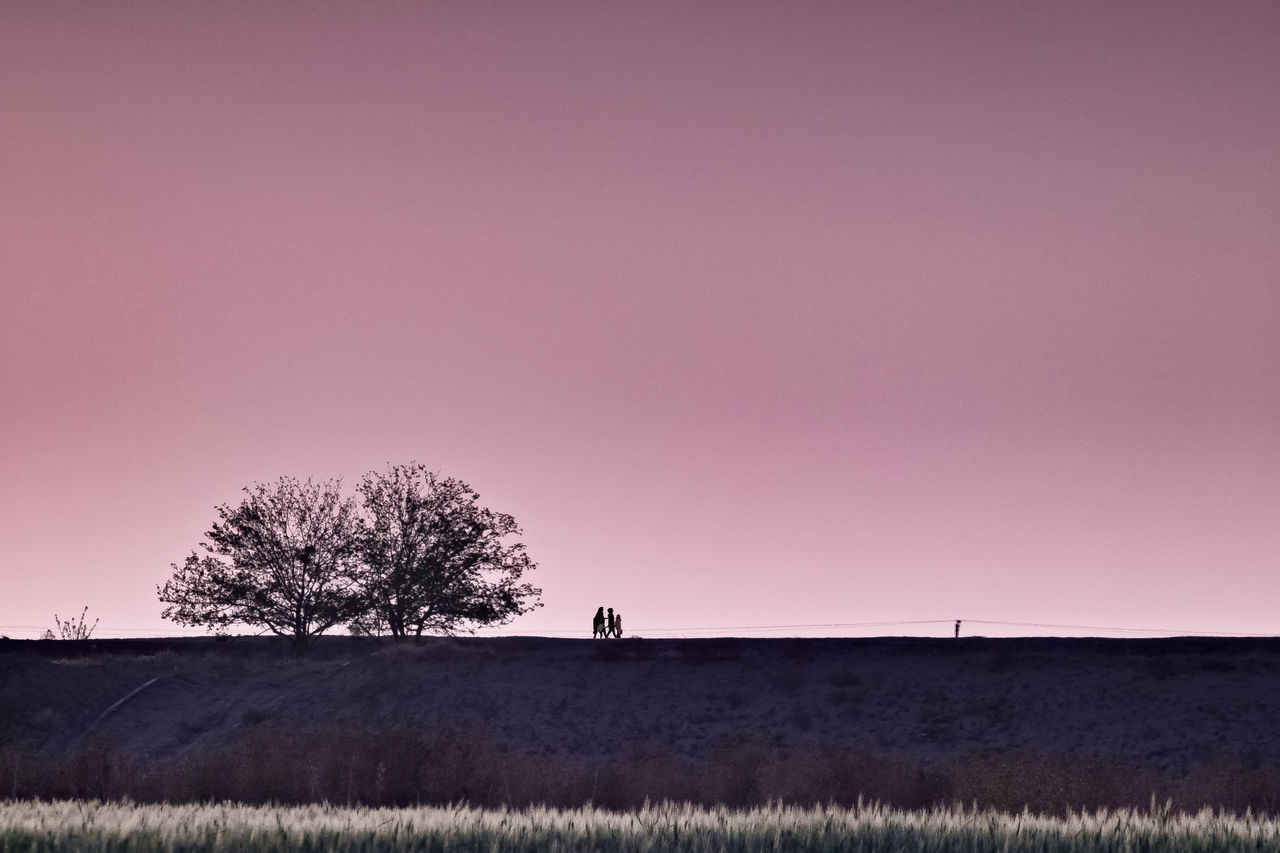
x=286 y=559
x=435 y=559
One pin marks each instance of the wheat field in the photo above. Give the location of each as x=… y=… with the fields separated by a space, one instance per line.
x=123 y=826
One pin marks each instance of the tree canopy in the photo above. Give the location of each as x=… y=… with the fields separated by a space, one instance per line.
x=417 y=554
x=284 y=559
x=437 y=560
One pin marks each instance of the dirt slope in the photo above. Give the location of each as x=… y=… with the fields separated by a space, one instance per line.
x=1167 y=705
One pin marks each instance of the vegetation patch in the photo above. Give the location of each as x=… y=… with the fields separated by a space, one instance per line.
x=269 y=763
x=870 y=828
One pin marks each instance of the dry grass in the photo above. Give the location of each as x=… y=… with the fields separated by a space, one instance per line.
x=1045 y=725
x=272 y=765
x=868 y=828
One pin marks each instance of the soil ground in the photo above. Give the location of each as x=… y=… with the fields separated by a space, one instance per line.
x=1170 y=706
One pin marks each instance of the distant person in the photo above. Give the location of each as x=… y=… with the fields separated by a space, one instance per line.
x=597 y=624
x=617 y=625
x=609 y=631
x=957 y=629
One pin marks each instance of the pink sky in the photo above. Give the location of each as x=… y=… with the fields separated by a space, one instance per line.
x=751 y=313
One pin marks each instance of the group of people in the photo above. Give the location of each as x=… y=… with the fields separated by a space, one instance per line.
x=606 y=626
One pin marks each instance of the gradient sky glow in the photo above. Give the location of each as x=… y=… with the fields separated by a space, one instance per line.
x=763 y=313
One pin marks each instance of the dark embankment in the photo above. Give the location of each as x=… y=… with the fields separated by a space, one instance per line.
x=1043 y=722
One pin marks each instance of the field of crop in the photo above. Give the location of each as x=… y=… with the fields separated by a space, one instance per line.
x=94 y=826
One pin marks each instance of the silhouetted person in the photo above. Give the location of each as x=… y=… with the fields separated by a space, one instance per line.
x=597 y=625
x=609 y=631
x=957 y=629
x=617 y=625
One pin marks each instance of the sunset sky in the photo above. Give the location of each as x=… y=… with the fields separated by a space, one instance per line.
x=752 y=314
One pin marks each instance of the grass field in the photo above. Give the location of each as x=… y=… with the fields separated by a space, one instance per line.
x=99 y=826
x=389 y=769
x=1046 y=725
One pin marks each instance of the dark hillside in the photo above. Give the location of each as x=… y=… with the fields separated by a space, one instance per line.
x=1171 y=708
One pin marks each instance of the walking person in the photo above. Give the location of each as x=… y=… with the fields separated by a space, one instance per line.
x=608 y=632
x=597 y=624
x=617 y=625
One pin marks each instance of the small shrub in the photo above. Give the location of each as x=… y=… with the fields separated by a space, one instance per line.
x=71 y=630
